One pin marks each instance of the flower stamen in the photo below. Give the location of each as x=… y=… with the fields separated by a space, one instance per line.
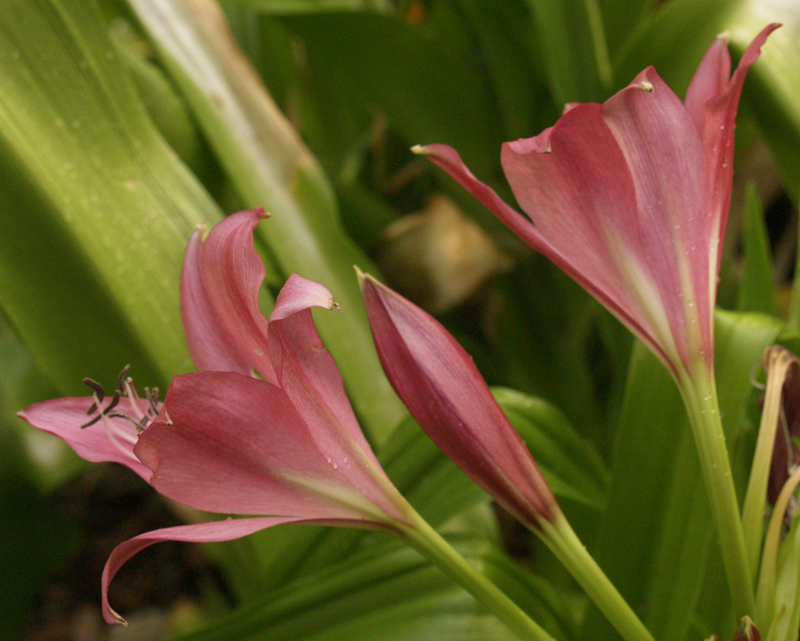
x=140 y=419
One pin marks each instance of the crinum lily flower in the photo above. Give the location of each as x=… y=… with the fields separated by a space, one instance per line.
x=265 y=427
x=286 y=444
x=630 y=198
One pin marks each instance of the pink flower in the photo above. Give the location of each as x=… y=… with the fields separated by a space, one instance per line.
x=444 y=391
x=630 y=198
x=287 y=446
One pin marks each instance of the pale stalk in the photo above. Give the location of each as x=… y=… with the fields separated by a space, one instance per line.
x=699 y=394
x=559 y=536
x=777 y=363
x=436 y=549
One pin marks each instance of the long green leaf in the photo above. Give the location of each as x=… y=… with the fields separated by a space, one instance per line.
x=756 y=289
x=573 y=41
x=571 y=465
x=654 y=538
x=395 y=596
x=96 y=210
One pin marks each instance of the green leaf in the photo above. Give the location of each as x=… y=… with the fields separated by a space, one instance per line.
x=656 y=532
x=573 y=41
x=428 y=93
x=392 y=596
x=621 y=17
x=503 y=31
x=756 y=289
x=96 y=210
x=550 y=350
x=571 y=465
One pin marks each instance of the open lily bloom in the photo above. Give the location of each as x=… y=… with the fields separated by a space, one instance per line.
x=630 y=198
x=444 y=391
x=288 y=446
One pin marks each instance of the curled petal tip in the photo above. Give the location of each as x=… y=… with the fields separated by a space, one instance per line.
x=420 y=150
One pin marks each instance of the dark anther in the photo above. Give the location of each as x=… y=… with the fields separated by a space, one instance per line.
x=111 y=405
x=98 y=389
x=152 y=398
x=123 y=377
x=93 y=421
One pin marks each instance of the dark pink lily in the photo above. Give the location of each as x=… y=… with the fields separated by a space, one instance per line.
x=444 y=391
x=630 y=198
x=287 y=446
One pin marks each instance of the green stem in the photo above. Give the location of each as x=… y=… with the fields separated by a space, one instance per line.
x=564 y=543
x=430 y=544
x=699 y=394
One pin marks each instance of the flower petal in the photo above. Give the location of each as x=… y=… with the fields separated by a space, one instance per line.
x=307 y=373
x=444 y=391
x=63 y=417
x=579 y=255
x=236 y=444
x=225 y=330
x=673 y=216
x=717 y=113
x=197 y=533
x=449 y=160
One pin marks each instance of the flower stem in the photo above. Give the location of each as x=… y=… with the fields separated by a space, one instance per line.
x=430 y=544
x=699 y=394
x=565 y=544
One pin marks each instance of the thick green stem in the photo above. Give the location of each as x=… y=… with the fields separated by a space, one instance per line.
x=699 y=394
x=564 y=543
x=430 y=544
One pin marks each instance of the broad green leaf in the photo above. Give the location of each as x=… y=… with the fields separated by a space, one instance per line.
x=621 y=17
x=571 y=465
x=573 y=42
x=96 y=209
x=756 y=289
x=503 y=32
x=394 y=596
x=543 y=332
x=399 y=69
x=271 y=167
x=655 y=536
